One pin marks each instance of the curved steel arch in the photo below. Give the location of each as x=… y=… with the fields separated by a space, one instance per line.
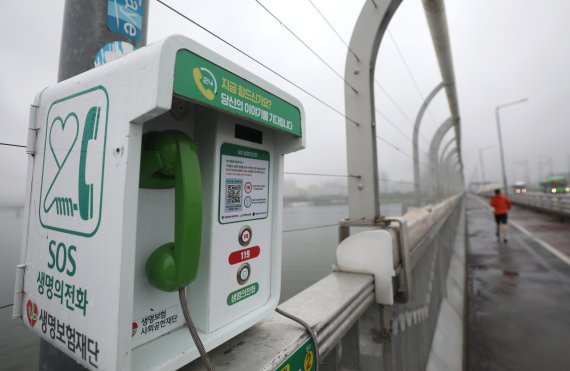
x=450 y=155
x=415 y=138
x=362 y=162
x=434 y=149
x=445 y=148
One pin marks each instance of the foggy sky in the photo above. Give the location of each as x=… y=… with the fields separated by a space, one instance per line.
x=502 y=51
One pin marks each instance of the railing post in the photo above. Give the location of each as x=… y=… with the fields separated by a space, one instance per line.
x=386 y=334
x=332 y=360
x=363 y=194
x=350 y=349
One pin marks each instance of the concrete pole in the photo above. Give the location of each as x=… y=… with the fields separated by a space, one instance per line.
x=84 y=32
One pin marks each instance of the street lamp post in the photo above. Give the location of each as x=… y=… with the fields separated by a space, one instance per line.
x=481 y=162
x=501 y=139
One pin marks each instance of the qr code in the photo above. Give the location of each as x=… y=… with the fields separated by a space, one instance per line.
x=233 y=195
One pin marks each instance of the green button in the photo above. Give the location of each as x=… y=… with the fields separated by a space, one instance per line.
x=243 y=293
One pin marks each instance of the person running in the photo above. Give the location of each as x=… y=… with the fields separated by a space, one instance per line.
x=501 y=204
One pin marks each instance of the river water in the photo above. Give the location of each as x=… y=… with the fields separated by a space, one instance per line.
x=308 y=256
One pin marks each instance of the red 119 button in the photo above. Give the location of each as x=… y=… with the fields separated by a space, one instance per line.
x=243 y=255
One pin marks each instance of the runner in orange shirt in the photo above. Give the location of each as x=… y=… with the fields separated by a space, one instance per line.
x=501 y=204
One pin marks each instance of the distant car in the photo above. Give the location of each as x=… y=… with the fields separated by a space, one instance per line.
x=520 y=187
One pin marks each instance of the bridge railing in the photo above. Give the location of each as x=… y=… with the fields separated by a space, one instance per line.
x=353 y=331
x=545 y=202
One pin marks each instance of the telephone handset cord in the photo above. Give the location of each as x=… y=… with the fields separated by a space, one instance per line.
x=311 y=332
x=193 y=332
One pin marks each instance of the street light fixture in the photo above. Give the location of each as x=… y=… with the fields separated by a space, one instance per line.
x=501 y=139
x=481 y=162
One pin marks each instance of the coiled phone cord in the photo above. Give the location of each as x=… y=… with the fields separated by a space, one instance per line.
x=193 y=332
x=311 y=332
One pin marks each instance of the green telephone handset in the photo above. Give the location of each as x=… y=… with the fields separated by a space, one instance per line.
x=170 y=159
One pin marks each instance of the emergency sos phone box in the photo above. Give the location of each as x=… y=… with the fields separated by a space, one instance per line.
x=156 y=171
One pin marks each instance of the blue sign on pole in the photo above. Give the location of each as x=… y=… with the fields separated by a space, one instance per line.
x=125 y=17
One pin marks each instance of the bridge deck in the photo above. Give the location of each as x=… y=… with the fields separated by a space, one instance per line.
x=519 y=293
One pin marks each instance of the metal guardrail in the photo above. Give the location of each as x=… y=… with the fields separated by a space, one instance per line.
x=353 y=331
x=545 y=202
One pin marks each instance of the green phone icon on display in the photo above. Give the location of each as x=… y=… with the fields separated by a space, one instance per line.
x=170 y=160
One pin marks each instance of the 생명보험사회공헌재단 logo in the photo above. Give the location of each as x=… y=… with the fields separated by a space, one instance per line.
x=32 y=312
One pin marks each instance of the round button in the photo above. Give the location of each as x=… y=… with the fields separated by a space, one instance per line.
x=243 y=273
x=247 y=187
x=244 y=237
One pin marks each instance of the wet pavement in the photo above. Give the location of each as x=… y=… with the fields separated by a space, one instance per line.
x=551 y=229
x=518 y=298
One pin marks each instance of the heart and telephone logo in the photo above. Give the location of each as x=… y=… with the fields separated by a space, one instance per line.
x=71 y=191
x=32 y=312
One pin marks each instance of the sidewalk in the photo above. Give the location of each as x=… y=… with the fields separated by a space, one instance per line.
x=518 y=299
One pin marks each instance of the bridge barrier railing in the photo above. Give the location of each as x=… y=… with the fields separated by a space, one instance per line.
x=555 y=204
x=353 y=330
x=545 y=202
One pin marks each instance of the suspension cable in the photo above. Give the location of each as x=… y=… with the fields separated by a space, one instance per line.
x=307 y=46
x=257 y=61
x=12 y=145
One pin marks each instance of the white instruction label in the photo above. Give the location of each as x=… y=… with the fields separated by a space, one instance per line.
x=244 y=184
